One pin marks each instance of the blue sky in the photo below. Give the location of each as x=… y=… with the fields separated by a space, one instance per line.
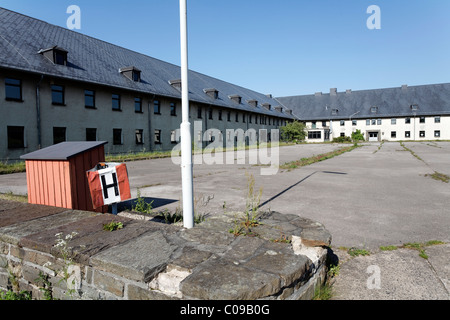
x=285 y=47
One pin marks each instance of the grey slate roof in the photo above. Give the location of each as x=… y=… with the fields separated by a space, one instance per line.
x=392 y=102
x=95 y=61
x=63 y=151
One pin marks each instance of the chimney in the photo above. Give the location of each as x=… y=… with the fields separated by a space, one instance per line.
x=333 y=91
x=404 y=87
x=318 y=94
x=349 y=91
x=269 y=96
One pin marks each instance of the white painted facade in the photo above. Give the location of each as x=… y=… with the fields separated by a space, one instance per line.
x=383 y=129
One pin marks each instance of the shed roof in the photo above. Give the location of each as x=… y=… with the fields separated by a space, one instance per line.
x=63 y=151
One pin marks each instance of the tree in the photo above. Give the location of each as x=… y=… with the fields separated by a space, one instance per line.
x=357 y=136
x=293 y=132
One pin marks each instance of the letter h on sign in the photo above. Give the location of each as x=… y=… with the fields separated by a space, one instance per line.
x=109 y=184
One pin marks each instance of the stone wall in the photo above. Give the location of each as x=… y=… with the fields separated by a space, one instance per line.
x=148 y=260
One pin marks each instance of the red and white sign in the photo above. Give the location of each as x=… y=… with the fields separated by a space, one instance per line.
x=108 y=184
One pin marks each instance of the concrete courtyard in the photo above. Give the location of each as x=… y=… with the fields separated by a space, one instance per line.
x=373 y=196
x=378 y=195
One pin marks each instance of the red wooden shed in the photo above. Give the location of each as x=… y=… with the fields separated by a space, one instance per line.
x=56 y=176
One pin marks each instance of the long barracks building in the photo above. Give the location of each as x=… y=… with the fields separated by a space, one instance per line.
x=59 y=85
x=394 y=114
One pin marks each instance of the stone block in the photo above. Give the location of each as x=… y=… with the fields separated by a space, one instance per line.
x=139 y=260
x=287 y=266
x=220 y=280
x=109 y=283
x=139 y=293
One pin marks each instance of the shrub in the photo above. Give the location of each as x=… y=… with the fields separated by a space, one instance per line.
x=342 y=139
x=357 y=136
x=294 y=131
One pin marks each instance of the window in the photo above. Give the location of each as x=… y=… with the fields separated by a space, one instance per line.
x=139 y=136
x=354 y=122
x=237 y=117
x=437 y=134
x=229 y=116
x=379 y=122
x=393 y=134
x=173 y=109
x=407 y=120
x=324 y=124
x=342 y=123
x=250 y=118
x=138 y=105
x=116 y=102
x=16 y=137
x=374 y=122
x=374 y=109
x=157 y=136
x=210 y=114
x=422 y=134
x=136 y=75
x=414 y=107
x=334 y=112
x=243 y=117
x=91 y=134
x=173 y=136
x=437 y=119
x=59 y=135
x=407 y=134
x=117 y=137
x=367 y=122
x=314 y=135
x=393 y=122
x=156 y=107
x=342 y=134
x=57 y=95
x=220 y=115
x=422 y=119
x=199 y=112
x=13 y=89
x=60 y=57
x=314 y=125
x=89 y=99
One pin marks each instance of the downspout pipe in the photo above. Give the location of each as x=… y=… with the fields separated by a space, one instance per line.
x=38 y=111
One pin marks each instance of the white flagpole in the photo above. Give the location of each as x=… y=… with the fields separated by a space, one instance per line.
x=186 y=145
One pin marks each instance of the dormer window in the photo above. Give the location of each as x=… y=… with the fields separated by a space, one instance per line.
x=267 y=106
x=176 y=84
x=56 y=55
x=374 y=109
x=279 y=109
x=253 y=103
x=334 y=112
x=414 y=107
x=236 y=98
x=131 y=73
x=213 y=93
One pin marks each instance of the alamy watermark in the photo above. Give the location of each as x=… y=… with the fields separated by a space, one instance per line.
x=374 y=21
x=74 y=20
x=234 y=146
